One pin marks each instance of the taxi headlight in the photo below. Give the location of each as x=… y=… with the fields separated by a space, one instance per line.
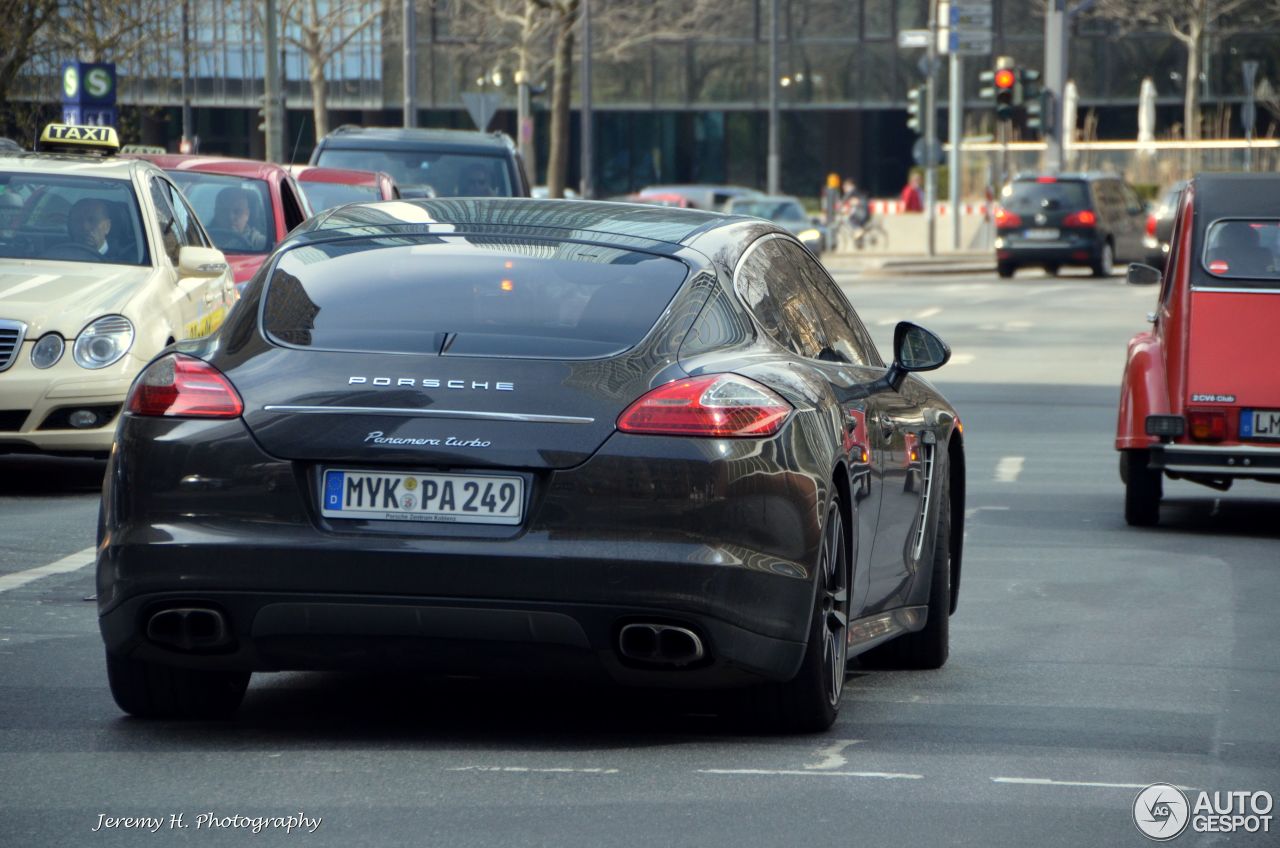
x=810 y=235
x=103 y=342
x=46 y=352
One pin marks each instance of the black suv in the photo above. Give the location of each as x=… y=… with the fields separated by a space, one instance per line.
x=429 y=162
x=1092 y=220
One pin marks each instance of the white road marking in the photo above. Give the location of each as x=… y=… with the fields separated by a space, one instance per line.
x=886 y=322
x=832 y=756
x=1008 y=469
x=961 y=359
x=972 y=511
x=886 y=775
x=1046 y=781
x=75 y=562
x=1018 y=325
x=928 y=313
x=527 y=770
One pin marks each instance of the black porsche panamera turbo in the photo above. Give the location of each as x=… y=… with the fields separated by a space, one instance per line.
x=495 y=436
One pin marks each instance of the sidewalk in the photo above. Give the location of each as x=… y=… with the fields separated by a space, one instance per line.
x=944 y=262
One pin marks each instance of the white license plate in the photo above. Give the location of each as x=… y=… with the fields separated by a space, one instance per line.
x=1045 y=234
x=1260 y=424
x=393 y=496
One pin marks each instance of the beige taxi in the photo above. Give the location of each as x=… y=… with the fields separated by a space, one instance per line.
x=102 y=264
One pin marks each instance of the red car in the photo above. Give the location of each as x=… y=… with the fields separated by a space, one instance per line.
x=329 y=187
x=1201 y=397
x=246 y=206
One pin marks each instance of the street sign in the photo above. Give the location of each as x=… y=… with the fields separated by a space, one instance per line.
x=964 y=42
x=967 y=15
x=909 y=38
x=481 y=107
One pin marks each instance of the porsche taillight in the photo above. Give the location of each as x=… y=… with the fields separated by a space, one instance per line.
x=1205 y=425
x=1005 y=218
x=1151 y=225
x=715 y=405
x=1083 y=218
x=180 y=386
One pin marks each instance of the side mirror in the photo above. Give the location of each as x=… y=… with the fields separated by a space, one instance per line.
x=201 y=262
x=914 y=349
x=1142 y=275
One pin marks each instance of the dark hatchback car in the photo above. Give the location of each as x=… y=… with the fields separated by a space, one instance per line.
x=1160 y=226
x=429 y=162
x=494 y=437
x=1048 y=221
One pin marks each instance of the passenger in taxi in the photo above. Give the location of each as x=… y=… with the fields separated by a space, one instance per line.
x=88 y=224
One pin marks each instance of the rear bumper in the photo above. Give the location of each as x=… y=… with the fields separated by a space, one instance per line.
x=1242 y=461
x=476 y=638
x=647 y=530
x=1072 y=249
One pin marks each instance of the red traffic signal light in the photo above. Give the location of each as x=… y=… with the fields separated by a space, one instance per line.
x=1005 y=79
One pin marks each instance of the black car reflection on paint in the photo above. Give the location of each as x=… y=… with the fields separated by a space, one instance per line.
x=675 y=457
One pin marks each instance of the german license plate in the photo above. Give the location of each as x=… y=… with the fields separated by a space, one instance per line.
x=1044 y=234
x=1260 y=424
x=393 y=496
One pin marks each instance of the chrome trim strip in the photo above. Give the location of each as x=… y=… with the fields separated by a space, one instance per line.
x=1214 y=450
x=926 y=473
x=404 y=412
x=1223 y=470
x=1225 y=290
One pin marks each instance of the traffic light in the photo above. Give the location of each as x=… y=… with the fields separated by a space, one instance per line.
x=1029 y=97
x=915 y=110
x=1006 y=85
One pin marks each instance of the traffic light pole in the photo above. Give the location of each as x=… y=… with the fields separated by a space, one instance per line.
x=931 y=133
x=1055 y=80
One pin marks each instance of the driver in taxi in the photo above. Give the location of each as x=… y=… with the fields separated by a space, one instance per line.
x=88 y=225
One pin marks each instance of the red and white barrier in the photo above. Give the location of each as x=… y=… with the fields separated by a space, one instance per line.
x=896 y=207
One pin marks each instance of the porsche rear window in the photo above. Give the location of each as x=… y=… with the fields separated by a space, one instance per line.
x=468 y=297
x=1242 y=253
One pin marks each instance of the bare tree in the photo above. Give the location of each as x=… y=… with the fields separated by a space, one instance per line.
x=1189 y=21
x=321 y=29
x=23 y=23
x=120 y=31
x=537 y=37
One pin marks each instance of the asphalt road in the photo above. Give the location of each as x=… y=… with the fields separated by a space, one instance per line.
x=1089 y=660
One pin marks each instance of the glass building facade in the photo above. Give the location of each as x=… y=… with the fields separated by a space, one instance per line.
x=689 y=107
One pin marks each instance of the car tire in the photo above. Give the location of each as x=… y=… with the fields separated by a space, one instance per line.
x=929 y=647
x=810 y=701
x=1005 y=269
x=150 y=690
x=1105 y=266
x=1143 y=489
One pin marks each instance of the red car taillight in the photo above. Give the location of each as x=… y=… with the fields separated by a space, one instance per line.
x=1083 y=218
x=1206 y=425
x=1151 y=225
x=179 y=386
x=1005 y=218
x=716 y=405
